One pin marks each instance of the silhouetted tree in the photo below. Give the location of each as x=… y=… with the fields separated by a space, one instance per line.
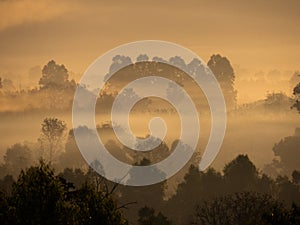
x=53 y=131
x=71 y=157
x=295 y=79
x=118 y=62
x=224 y=73
x=147 y=216
x=96 y=207
x=6 y=184
x=137 y=197
x=142 y=57
x=296 y=176
x=288 y=192
x=75 y=176
x=240 y=209
x=38 y=196
x=55 y=76
x=17 y=157
x=296 y=93
x=277 y=102
x=240 y=174
x=41 y=197
x=288 y=152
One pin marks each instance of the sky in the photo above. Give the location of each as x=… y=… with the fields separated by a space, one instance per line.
x=253 y=35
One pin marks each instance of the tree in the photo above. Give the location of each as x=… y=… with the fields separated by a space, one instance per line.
x=296 y=177
x=6 y=184
x=288 y=152
x=53 y=131
x=224 y=73
x=118 y=62
x=38 y=196
x=288 y=192
x=142 y=57
x=295 y=79
x=147 y=216
x=277 y=102
x=55 y=76
x=245 y=208
x=240 y=174
x=296 y=93
x=94 y=207
x=196 y=187
x=41 y=197
x=17 y=157
x=71 y=157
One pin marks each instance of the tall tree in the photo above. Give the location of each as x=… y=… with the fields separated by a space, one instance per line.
x=53 y=132
x=224 y=73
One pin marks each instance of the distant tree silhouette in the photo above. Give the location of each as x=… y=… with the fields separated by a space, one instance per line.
x=288 y=152
x=224 y=73
x=53 y=131
x=178 y=62
x=71 y=157
x=142 y=57
x=296 y=93
x=277 y=102
x=295 y=79
x=118 y=62
x=17 y=157
x=55 y=76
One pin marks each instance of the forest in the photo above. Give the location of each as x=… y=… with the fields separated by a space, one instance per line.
x=45 y=180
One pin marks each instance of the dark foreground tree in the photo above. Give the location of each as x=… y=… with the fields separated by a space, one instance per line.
x=242 y=209
x=41 y=197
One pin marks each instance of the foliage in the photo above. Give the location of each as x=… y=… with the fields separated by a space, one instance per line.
x=244 y=208
x=55 y=76
x=53 y=130
x=296 y=93
x=41 y=197
x=17 y=157
x=224 y=73
x=288 y=152
x=147 y=216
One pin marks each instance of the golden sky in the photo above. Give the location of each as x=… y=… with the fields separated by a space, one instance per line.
x=252 y=34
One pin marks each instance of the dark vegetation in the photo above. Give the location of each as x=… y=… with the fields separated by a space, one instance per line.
x=48 y=182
